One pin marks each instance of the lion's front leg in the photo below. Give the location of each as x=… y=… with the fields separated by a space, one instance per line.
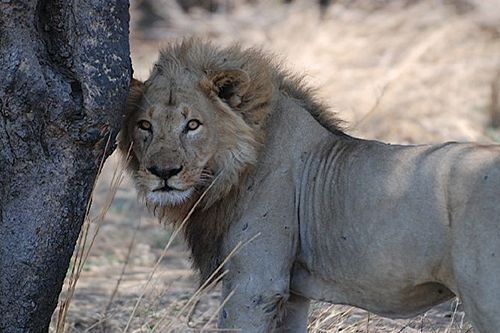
x=256 y=287
x=296 y=313
x=264 y=311
x=252 y=308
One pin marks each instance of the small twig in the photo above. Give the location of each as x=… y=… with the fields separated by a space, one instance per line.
x=400 y=69
x=495 y=101
x=191 y=312
x=406 y=325
x=448 y=329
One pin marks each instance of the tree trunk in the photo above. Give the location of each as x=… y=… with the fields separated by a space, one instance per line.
x=64 y=75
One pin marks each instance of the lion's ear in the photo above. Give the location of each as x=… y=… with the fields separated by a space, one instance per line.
x=135 y=93
x=231 y=85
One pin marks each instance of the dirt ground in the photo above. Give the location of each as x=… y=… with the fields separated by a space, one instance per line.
x=397 y=71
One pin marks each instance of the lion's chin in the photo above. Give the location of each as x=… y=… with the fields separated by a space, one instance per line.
x=169 y=198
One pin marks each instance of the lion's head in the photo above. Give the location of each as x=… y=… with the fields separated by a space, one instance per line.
x=198 y=116
x=202 y=115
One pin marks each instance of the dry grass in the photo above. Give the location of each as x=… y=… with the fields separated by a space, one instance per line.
x=403 y=74
x=86 y=240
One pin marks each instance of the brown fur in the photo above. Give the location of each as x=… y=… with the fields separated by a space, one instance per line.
x=245 y=86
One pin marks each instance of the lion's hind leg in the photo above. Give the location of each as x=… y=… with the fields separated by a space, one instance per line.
x=480 y=294
x=481 y=306
x=477 y=274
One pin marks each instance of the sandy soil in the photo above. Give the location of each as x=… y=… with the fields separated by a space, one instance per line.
x=399 y=73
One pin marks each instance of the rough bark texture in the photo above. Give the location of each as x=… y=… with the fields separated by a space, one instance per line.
x=64 y=73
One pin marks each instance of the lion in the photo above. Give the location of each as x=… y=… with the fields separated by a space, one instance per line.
x=392 y=229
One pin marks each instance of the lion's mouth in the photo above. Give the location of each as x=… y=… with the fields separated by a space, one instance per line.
x=168 y=195
x=166 y=188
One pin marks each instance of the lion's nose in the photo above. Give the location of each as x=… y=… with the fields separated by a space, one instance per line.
x=166 y=173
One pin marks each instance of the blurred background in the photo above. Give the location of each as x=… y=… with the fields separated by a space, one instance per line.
x=401 y=71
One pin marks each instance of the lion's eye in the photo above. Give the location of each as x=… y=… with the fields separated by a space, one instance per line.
x=193 y=124
x=144 y=125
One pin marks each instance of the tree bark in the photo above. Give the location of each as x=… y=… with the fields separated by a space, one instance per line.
x=64 y=75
